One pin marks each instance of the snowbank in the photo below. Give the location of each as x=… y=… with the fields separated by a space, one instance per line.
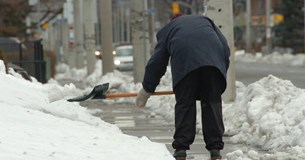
x=269 y=114
x=38 y=123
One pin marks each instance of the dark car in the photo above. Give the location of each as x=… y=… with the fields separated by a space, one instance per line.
x=12 y=48
x=21 y=71
x=16 y=68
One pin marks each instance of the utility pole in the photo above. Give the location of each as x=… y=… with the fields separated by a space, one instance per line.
x=221 y=12
x=65 y=40
x=89 y=14
x=54 y=37
x=151 y=13
x=140 y=38
x=122 y=21
x=79 y=38
x=128 y=22
x=106 y=35
x=268 y=27
x=248 y=27
x=68 y=52
x=51 y=35
x=116 y=29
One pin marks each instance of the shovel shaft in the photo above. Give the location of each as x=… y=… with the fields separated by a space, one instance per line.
x=110 y=96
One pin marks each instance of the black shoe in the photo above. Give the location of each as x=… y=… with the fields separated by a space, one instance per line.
x=215 y=155
x=180 y=154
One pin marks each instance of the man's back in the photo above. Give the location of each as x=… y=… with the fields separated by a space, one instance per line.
x=193 y=41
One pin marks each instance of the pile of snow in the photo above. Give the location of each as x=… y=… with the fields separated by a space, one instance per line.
x=273 y=58
x=63 y=71
x=35 y=124
x=268 y=114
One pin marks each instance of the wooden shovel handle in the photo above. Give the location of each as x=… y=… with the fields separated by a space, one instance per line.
x=121 y=95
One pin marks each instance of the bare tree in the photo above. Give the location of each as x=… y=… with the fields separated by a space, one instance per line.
x=12 y=17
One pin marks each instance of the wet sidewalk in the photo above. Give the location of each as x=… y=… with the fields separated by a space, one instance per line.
x=134 y=121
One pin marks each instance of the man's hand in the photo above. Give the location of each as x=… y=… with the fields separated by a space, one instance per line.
x=142 y=98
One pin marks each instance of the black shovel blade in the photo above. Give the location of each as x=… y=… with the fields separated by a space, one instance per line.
x=98 y=92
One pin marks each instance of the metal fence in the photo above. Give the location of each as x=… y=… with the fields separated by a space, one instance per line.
x=28 y=56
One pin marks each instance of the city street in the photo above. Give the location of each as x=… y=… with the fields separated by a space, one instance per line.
x=58 y=57
x=139 y=122
x=134 y=121
x=251 y=72
x=248 y=73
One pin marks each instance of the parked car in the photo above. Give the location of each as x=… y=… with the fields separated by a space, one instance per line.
x=21 y=71
x=16 y=68
x=3 y=58
x=123 y=57
x=12 y=48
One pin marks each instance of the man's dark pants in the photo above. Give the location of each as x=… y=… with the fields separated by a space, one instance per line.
x=205 y=84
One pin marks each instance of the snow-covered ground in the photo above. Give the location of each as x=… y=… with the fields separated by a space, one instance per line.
x=38 y=123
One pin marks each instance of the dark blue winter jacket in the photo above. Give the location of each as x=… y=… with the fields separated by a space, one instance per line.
x=191 y=41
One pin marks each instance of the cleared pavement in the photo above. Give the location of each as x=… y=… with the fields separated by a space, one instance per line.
x=137 y=122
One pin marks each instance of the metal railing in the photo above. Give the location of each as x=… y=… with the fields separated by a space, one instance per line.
x=30 y=58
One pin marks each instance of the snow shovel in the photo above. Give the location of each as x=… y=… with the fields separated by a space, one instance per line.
x=99 y=92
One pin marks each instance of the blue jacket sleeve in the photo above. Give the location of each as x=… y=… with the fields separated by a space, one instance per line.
x=156 y=66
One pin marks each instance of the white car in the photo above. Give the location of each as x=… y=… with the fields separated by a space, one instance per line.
x=123 y=57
